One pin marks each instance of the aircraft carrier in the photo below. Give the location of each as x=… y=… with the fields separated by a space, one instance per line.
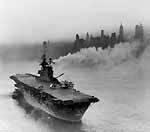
x=46 y=92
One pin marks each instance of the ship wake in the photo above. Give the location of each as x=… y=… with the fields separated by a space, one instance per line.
x=49 y=122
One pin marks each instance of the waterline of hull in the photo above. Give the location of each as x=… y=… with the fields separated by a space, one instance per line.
x=32 y=101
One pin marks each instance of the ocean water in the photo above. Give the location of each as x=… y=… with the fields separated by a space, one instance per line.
x=123 y=90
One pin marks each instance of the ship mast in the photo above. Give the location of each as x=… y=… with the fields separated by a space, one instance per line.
x=44 y=49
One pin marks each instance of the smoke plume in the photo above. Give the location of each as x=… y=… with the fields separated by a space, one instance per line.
x=94 y=58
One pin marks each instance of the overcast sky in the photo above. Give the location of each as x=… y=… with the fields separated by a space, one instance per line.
x=37 y=20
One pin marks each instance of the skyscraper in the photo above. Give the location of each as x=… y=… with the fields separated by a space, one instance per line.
x=121 y=34
x=87 y=41
x=76 y=44
x=113 y=39
x=139 y=32
x=102 y=33
x=87 y=36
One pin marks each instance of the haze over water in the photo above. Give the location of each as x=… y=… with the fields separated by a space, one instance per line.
x=123 y=90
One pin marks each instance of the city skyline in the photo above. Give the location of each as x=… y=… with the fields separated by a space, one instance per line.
x=108 y=40
x=37 y=20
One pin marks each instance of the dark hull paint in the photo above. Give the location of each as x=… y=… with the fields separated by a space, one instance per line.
x=70 y=112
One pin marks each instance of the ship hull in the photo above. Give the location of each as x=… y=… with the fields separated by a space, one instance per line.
x=70 y=112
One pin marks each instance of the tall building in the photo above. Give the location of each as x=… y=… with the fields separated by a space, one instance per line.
x=79 y=43
x=87 y=42
x=77 y=37
x=102 y=33
x=87 y=36
x=121 y=34
x=76 y=43
x=113 y=40
x=139 y=32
